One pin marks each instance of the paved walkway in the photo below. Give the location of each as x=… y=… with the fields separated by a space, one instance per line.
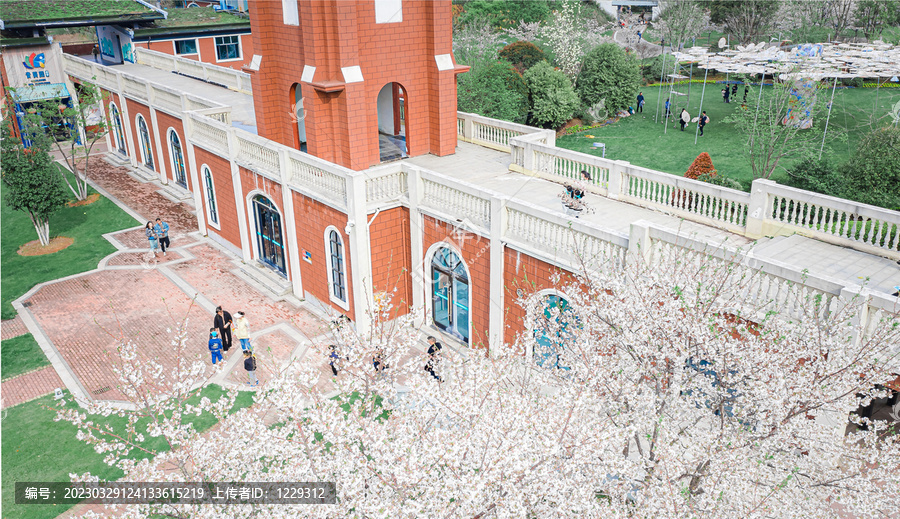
x=135 y=296
x=28 y=386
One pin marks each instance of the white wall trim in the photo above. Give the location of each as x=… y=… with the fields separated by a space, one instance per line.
x=251 y=227
x=328 y=268
x=137 y=126
x=181 y=142
x=216 y=49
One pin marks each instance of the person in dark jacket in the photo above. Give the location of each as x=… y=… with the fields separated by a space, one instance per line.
x=215 y=345
x=250 y=366
x=222 y=323
x=734 y=90
x=640 y=102
x=702 y=122
x=162 y=233
x=434 y=352
x=746 y=91
x=333 y=359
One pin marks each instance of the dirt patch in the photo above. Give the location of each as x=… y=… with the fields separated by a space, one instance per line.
x=570 y=123
x=87 y=201
x=34 y=248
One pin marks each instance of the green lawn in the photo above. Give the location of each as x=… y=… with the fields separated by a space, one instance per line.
x=639 y=140
x=85 y=224
x=21 y=355
x=36 y=448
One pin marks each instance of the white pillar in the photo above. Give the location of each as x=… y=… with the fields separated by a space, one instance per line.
x=129 y=136
x=416 y=242
x=360 y=251
x=239 y=201
x=616 y=187
x=639 y=242
x=496 y=311
x=197 y=179
x=759 y=206
x=290 y=223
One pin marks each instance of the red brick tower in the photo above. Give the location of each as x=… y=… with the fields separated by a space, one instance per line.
x=370 y=79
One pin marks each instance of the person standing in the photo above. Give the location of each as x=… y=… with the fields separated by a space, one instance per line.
x=668 y=105
x=333 y=359
x=215 y=345
x=242 y=331
x=96 y=52
x=250 y=367
x=162 y=233
x=640 y=102
x=746 y=91
x=703 y=120
x=151 y=236
x=434 y=352
x=222 y=323
x=684 y=119
x=734 y=90
x=725 y=94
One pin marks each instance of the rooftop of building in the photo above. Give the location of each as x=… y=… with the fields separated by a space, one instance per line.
x=71 y=13
x=193 y=20
x=488 y=170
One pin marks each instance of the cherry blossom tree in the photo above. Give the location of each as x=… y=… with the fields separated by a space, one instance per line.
x=681 y=20
x=661 y=389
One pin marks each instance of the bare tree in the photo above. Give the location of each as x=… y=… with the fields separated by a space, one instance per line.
x=840 y=15
x=800 y=19
x=751 y=19
x=680 y=20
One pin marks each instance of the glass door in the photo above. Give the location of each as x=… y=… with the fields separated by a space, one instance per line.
x=269 y=239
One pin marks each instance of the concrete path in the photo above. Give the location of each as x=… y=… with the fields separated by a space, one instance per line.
x=647 y=49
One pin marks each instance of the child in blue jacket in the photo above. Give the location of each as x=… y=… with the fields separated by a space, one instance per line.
x=215 y=345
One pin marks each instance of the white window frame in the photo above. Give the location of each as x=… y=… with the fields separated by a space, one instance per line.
x=329 y=271
x=169 y=133
x=429 y=296
x=240 y=48
x=196 y=46
x=204 y=168
x=137 y=125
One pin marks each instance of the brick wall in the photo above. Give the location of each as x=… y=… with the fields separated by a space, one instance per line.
x=476 y=256
x=391 y=257
x=221 y=173
x=110 y=97
x=135 y=108
x=312 y=218
x=165 y=122
x=206 y=50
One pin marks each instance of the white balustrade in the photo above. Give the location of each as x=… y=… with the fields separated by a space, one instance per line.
x=385 y=186
x=190 y=68
x=315 y=180
x=832 y=219
x=460 y=127
x=699 y=201
x=209 y=134
x=493 y=133
x=456 y=203
x=135 y=88
x=167 y=100
x=258 y=156
x=78 y=67
x=223 y=76
x=565 y=165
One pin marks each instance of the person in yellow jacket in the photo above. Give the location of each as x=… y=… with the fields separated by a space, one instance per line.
x=242 y=331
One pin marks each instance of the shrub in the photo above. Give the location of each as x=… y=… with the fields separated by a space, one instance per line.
x=872 y=175
x=652 y=68
x=552 y=97
x=720 y=180
x=493 y=90
x=523 y=55
x=701 y=165
x=610 y=74
x=503 y=13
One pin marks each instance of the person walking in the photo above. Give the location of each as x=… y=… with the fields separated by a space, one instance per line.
x=222 y=323
x=734 y=90
x=215 y=345
x=685 y=118
x=250 y=367
x=702 y=122
x=668 y=105
x=242 y=331
x=151 y=236
x=333 y=359
x=725 y=94
x=434 y=352
x=746 y=91
x=640 y=102
x=162 y=233
x=96 y=52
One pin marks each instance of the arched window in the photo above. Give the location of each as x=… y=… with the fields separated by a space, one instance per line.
x=450 y=293
x=337 y=267
x=269 y=238
x=146 y=153
x=553 y=332
x=118 y=134
x=211 y=209
x=177 y=156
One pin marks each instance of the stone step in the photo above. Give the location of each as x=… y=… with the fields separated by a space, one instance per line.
x=176 y=193
x=264 y=279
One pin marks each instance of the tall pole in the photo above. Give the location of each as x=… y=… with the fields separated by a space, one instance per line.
x=833 y=88
x=669 y=97
x=689 y=85
x=662 y=72
x=700 y=110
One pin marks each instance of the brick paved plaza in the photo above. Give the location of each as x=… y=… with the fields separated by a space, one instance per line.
x=136 y=297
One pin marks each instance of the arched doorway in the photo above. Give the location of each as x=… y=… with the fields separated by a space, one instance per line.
x=450 y=294
x=269 y=236
x=553 y=332
x=118 y=133
x=392 y=122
